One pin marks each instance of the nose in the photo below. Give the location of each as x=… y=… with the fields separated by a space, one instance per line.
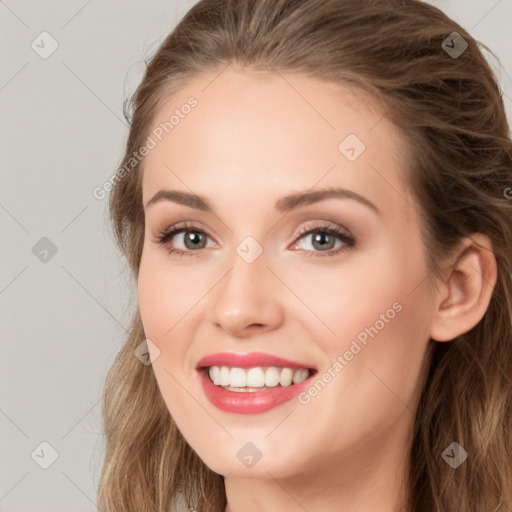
x=247 y=300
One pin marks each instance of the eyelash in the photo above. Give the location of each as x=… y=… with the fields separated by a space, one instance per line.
x=349 y=241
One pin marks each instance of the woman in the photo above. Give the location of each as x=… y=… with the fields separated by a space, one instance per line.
x=375 y=376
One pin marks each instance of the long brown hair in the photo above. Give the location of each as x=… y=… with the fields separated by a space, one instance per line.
x=459 y=169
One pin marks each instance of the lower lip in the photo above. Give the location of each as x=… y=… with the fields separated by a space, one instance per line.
x=249 y=402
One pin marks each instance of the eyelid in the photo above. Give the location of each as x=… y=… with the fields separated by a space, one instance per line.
x=338 y=231
x=179 y=227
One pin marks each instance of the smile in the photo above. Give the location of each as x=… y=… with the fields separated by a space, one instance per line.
x=256 y=378
x=251 y=383
x=246 y=400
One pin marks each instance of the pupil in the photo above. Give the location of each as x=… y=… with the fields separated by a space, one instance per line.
x=320 y=239
x=193 y=238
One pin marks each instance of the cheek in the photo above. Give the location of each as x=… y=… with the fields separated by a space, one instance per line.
x=380 y=321
x=379 y=301
x=152 y=301
x=165 y=293
x=386 y=314
x=161 y=306
x=361 y=287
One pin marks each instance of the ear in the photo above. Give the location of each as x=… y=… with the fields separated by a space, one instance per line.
x=466 y=289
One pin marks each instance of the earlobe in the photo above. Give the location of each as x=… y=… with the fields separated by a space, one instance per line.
x=467 y=289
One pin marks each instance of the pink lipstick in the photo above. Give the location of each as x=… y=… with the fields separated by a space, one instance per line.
x=248 y=400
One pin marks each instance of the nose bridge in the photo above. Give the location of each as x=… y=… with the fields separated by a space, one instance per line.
x=246 y=295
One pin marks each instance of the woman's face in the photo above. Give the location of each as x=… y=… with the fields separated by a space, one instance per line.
x=352 y=305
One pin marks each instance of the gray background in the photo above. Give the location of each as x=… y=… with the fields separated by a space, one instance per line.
x=62 y=134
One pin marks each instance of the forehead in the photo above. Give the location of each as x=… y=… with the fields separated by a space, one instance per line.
x=266 y=131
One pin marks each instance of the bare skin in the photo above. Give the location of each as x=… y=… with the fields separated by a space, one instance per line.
x=250 y=140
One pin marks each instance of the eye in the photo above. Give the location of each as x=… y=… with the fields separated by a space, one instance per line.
x=193 y=240
x=323 y=237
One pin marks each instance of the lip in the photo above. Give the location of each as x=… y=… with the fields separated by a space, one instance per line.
x=249 y=402
x=249 y=360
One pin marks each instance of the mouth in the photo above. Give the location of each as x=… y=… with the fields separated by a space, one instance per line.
x=252 y=395
x=253 y=371
x=252 y=383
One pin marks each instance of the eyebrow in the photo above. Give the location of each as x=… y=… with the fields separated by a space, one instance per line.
x=283 y=204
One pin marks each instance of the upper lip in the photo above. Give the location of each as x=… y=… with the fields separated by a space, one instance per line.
x=249 y=360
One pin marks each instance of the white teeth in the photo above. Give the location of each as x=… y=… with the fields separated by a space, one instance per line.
x=286 y=377
x=272 y=376
x=225 y=376
x=238 y=378
x=300 y=375
x=215 y=374
x=257 y=377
